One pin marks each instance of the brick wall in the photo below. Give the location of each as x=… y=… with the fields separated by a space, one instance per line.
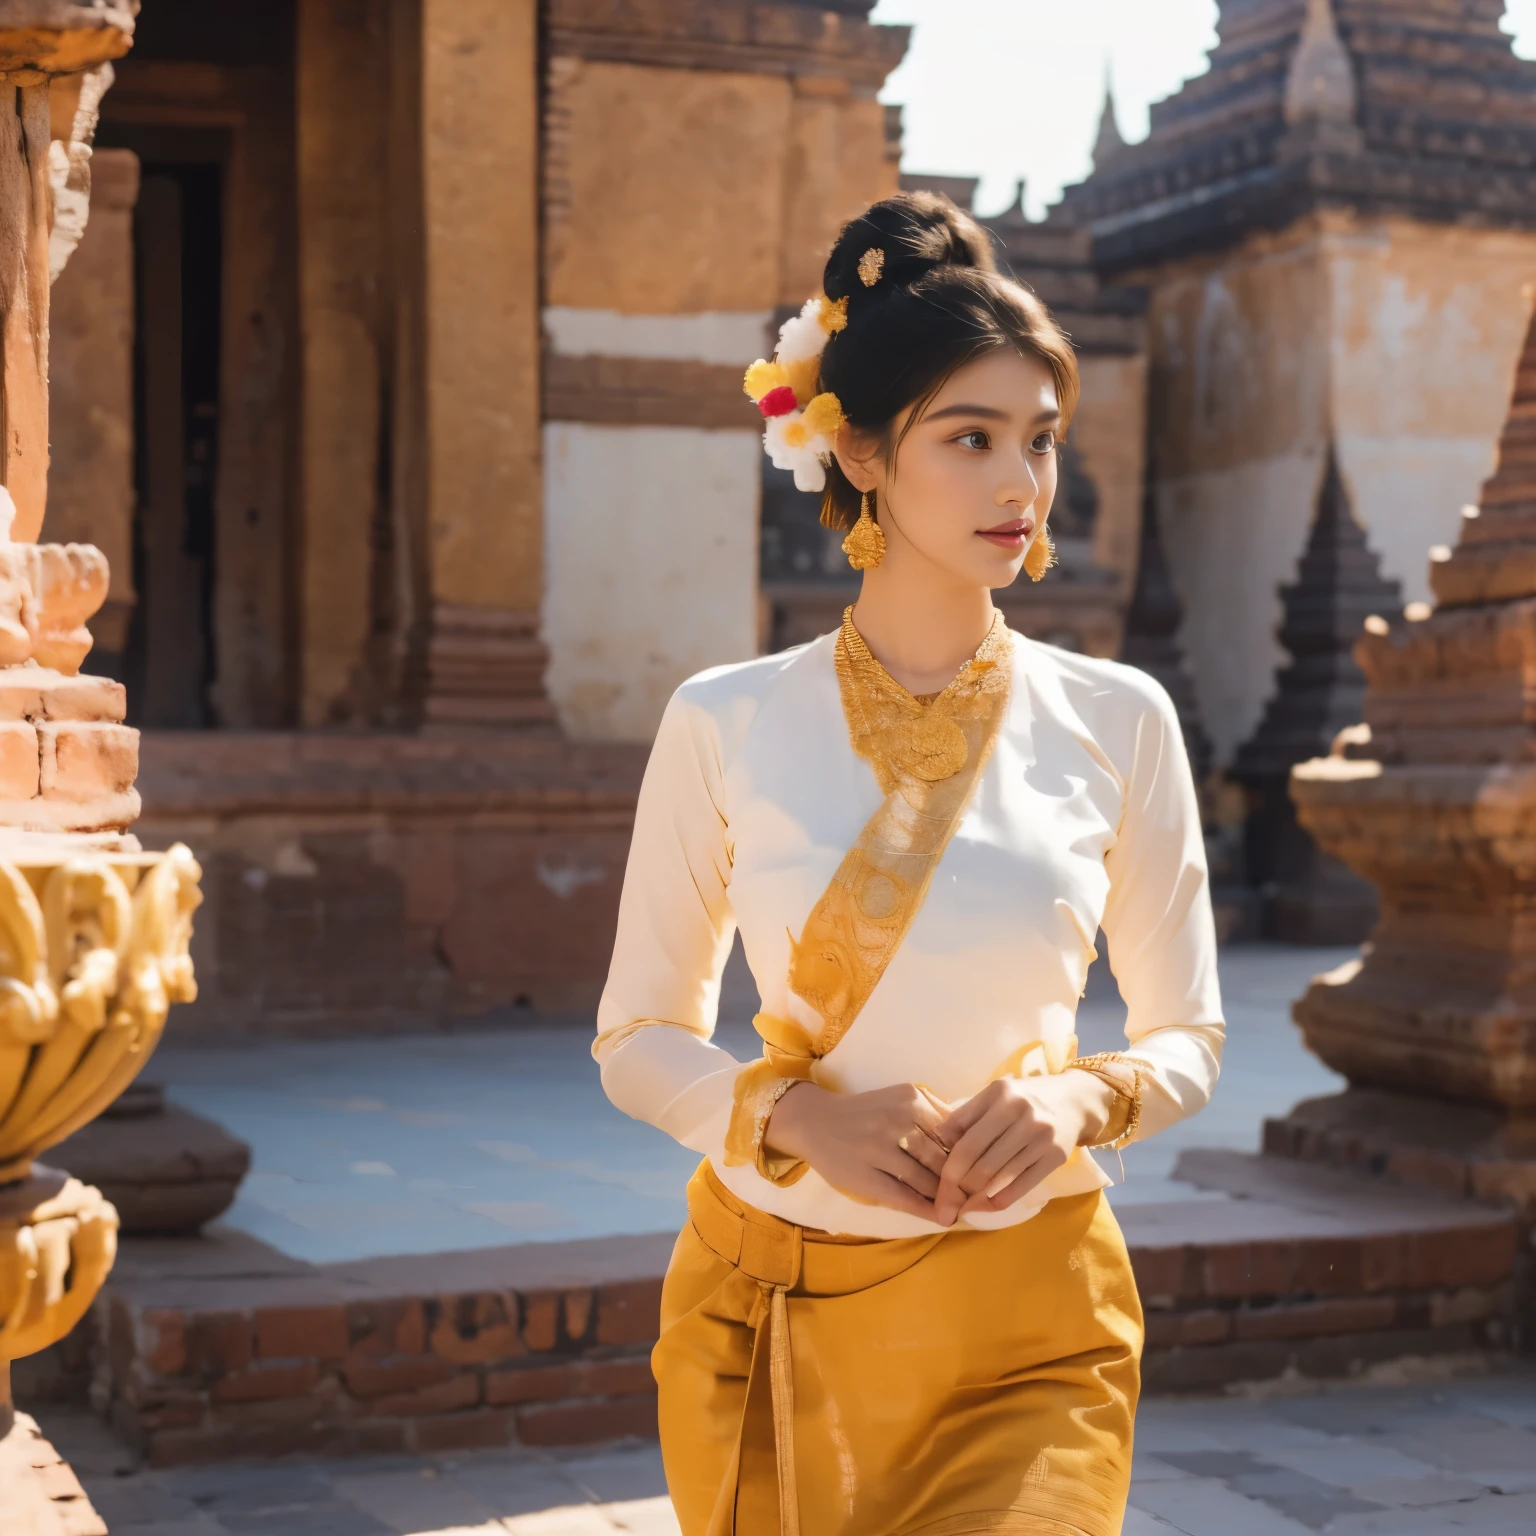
x=453 y=1372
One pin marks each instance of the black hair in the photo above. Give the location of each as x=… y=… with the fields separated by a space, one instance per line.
x=938 y=303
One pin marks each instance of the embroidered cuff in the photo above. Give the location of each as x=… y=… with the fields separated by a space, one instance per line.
x=758 y=1091
x=1123 y=1075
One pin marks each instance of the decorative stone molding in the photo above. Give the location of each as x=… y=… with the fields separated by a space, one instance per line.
x=646 y=392
x=94 y=954
x=67 y=761
x=1323 y=103
x=484 y=668
x=58 y=1238
x=75 y=108
x=60 y=37
x=728 y=35
x=1321 y=84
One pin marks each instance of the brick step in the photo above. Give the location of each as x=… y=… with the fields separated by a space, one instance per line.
x=1314 y=1270
x=218 y=1347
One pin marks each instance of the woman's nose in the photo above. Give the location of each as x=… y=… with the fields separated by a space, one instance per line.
x=1022 y=487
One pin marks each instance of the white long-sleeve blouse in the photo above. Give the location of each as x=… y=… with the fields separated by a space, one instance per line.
x=1084 y=817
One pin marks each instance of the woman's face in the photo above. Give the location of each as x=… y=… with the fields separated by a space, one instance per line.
x=973 y=481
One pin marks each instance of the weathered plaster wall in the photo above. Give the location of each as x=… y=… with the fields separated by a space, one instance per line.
x=651 y=570
x=1427 y=328
x=665 y=188
x=90 y=492
x=683 y=206
x=1110 y=432
x=1397 y=338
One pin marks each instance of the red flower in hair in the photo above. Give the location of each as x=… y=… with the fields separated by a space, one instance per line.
x=778 y=402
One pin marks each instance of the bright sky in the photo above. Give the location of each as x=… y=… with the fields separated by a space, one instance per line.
x=1013 y=88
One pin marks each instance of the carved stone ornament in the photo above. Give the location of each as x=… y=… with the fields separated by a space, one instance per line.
x=93 y=951
x=39 y=38
x=55 y=1255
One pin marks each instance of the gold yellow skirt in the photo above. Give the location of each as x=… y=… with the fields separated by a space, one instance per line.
x=965 y=1382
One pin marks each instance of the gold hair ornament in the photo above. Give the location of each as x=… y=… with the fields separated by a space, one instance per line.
x=865 y=544
x=871 y=265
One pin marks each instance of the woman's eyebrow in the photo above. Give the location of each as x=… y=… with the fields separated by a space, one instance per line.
x=986 y=412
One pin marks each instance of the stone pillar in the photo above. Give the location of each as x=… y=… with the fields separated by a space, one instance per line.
x=343 y=125
x=482 y=662
x=1309 y=897
x=91 y=492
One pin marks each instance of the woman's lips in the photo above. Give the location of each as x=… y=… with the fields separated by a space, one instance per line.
x=1010 y=536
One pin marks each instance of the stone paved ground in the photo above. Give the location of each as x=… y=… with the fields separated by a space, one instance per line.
x=455 y=1142
x=1392 y=1458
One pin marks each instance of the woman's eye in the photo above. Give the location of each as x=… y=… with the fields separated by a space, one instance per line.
x=979 y=441
x=1045 y=443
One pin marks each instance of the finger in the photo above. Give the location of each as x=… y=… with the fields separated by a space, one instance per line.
x=890 y=1191
x=927 y=1117
x=920 y=1146
x=961 y=1119
x=1021 y=1139
x=974 y=1144
x=911 y=1173
x=942 y=1109
x=1023 y=1177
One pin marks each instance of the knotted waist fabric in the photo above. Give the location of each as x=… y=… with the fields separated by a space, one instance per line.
x=815 y=1385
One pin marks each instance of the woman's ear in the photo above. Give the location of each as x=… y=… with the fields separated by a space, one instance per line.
x=858 y=454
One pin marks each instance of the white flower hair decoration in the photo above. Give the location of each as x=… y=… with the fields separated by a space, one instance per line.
x=802 y=423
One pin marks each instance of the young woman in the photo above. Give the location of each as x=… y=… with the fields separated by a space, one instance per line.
x=901 y=1304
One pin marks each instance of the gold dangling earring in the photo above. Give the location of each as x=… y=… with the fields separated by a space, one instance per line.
x=865 y=545
x=1041 y=556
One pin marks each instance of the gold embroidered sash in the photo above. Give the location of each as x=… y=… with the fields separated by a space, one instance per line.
x=928 y=756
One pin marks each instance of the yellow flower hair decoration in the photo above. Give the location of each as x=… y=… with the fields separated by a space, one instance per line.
x=803 y=422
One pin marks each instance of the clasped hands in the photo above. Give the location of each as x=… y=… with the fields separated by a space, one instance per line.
x=904 y=1148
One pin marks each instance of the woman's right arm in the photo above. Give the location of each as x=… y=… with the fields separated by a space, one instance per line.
x=659 y=1007
x=675 y=928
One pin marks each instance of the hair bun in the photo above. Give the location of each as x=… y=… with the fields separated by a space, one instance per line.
x=917 y=233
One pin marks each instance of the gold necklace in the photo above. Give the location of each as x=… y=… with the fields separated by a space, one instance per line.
x=902 y=736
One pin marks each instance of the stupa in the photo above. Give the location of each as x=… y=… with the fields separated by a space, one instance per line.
x=1433 y=800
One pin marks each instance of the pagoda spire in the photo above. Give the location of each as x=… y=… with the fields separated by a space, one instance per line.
x=1109 y=142
x=1320 y=88
x=1151 y=634
x=1313 y=899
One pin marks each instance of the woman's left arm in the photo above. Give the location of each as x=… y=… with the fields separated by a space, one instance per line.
x=1162 y=949
x=1161 y=932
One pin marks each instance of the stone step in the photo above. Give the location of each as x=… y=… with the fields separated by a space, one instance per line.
x=219 y=1347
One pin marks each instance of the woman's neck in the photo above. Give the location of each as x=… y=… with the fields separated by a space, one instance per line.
x=921 y=631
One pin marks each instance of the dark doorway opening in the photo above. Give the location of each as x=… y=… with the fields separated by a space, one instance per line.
x=170 y=665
